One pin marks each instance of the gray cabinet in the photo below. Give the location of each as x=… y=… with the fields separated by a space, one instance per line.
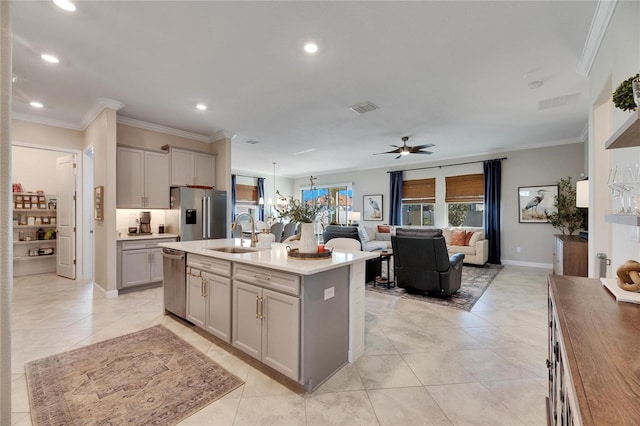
x=140 y=262
x=266 y=322
x=192 y=168
x=209 y=295
x=142 y=179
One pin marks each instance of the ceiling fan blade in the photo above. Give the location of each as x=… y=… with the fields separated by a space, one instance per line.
x=422 y=152
x=395 y=146
x=399 y=156
x=429 y=145
x=394 y=151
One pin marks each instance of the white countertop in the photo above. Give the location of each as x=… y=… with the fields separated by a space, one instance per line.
x=140 y=237
x=275 y=258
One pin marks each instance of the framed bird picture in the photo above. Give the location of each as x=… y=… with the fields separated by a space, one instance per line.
x=372 y=207
x=534 y=202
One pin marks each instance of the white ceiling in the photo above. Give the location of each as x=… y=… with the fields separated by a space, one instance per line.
x=451 y=73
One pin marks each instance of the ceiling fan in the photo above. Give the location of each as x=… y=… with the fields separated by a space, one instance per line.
x=406 y=149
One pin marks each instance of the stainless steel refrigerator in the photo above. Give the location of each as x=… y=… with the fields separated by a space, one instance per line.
x=197 y=214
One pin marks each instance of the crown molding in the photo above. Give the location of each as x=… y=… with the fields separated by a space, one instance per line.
x=221 y=134
x=161 y=129
x=97 y=108
x=599 y=24
x=44 y=120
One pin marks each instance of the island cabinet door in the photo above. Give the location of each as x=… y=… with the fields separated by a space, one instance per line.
x=246 y=318
x=196 y=303
x=218 y=297
x=281 y=332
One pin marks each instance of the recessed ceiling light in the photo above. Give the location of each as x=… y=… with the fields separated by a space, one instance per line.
x=50 y=58
x=36 y=104
x=535 y=84
x=65 y=4
x=311 y=47
x=201 y=107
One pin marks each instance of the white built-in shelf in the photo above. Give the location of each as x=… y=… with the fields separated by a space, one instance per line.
x=33 y=226
x=34 y=242
x=47 y=256
x=623 y=219
x=628 y=135
x=34 y=210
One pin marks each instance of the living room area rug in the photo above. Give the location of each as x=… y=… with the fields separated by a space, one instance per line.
x=148 y=377
x=475 y=280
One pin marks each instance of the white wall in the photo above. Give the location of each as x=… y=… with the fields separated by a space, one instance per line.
x=543 y=166
x=35 y=169
x=618 y=58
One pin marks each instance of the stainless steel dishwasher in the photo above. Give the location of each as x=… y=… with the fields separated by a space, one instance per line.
x=174 y=263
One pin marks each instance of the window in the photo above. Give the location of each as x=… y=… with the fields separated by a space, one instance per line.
x=335 y=202
x=465 y=200
x=418 y=202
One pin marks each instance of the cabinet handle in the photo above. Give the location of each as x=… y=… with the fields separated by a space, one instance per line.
x=262 y=277
x=205 y=285
x=257 y=311
x=262 y=308
x=202 y=287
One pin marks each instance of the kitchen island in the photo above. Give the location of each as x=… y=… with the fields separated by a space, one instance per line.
x=303 y=318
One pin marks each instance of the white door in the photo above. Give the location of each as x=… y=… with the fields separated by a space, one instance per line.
x=66 y=216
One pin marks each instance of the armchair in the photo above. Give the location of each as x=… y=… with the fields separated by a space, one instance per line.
x=422 y=262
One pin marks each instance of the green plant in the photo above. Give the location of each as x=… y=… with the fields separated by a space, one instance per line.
x=623 y=95
x=457 y=213
x=567 y=218
x=297 y=211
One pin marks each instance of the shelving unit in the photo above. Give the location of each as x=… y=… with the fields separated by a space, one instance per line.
x=623 y=219
x=627 y=136
x=26 y=222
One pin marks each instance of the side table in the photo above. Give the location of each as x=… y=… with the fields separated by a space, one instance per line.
x=385 y=256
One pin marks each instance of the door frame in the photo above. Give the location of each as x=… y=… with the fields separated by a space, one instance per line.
x=80 y=229
x=87 y=235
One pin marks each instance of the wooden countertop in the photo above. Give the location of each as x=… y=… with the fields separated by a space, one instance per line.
x=602 y=341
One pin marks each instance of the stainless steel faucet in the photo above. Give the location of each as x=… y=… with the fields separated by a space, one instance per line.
x=254 y=238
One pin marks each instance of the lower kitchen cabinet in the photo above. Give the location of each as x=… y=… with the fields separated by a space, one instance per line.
x=140 y=262
x=209 y=302
x=266 y=325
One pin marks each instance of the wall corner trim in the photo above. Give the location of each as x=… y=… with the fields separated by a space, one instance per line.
x=97 y=108
x=599 y=24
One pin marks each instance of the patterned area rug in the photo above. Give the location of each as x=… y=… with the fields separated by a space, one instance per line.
x=143 y=378
x=475 y=280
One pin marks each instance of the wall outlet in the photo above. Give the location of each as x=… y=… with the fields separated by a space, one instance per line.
x=329 y=293
x=518 y=249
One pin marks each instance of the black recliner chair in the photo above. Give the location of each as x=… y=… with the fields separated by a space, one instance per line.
x=421 y=262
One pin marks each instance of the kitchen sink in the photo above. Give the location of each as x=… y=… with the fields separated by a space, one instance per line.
x=234 y=250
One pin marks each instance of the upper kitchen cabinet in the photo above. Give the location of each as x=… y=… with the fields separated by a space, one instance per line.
x=192 y=168
x=142 y=179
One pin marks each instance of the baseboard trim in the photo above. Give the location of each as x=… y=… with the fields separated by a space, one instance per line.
x=527 y=264
x=106 y=294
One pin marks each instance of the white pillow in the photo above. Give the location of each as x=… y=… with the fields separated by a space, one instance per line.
x=362 y=233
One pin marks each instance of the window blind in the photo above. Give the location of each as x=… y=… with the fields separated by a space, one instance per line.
x=246 y=193
x=419 y=191
x=465 y=188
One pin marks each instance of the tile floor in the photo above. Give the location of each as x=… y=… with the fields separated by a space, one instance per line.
x=424 y=364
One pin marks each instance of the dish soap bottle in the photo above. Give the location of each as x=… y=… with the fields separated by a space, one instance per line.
x=265 y=239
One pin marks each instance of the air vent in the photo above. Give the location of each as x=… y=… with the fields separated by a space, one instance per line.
x=252 y=142
x=559 y=101
x=363 y=107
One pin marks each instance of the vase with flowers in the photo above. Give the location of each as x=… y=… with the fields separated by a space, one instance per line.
x=304 y=213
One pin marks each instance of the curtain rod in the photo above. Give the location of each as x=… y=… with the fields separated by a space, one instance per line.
x=446 y=165
x=252 y=177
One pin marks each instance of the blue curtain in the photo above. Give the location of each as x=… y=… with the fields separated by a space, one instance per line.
x=395 y=192
x=261 y=195
x=233 y=198
x=492 y=184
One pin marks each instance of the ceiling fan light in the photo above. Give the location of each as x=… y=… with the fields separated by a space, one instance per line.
x=65 y=4
x=405 y=152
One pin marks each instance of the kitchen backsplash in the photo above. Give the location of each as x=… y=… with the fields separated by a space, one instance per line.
x=127 y=217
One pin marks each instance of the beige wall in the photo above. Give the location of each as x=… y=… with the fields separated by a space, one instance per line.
x=618 y=58
x=44 y=135
x=101 y=134
x=543 y=166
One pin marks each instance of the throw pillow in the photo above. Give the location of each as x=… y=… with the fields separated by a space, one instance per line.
x=384 y=229
x=362 y=233
x=383 y=236
x=458 y=237
x=467 y=238
x=477 y=236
